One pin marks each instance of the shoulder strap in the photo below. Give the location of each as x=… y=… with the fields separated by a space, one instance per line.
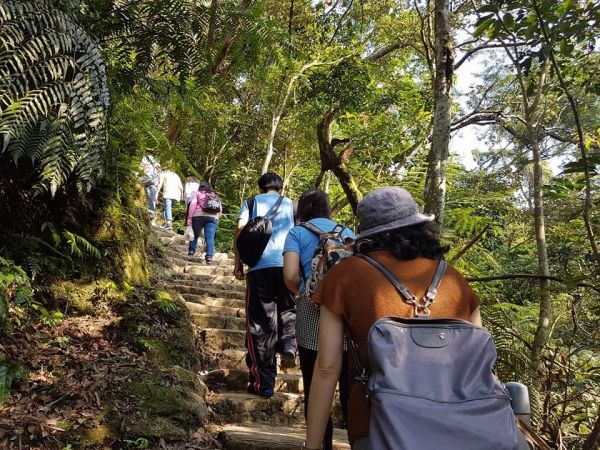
x=421 y=309
x=273 y=211
x=250 y=203
x=312 y=228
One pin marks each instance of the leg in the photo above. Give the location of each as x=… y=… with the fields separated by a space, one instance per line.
x=361 y=444
x=197 y=227
x=286 y=312
x=151 y=195
x=307 y=365
x=261 y=332
x=167 y=212
x=210 y=228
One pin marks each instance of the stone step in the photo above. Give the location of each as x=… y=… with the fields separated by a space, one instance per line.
x=206 y=281
x=235 y=358
x=269 y=437
x=217 y=279
x=204 y=269
x=236 y=380
x=182 y=259
x=212 y=291
x=197 y=308
x=241 y=407
x=218 y=321
x=214 y=301
x=218 y=339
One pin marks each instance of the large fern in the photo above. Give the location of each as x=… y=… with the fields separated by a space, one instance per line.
x=53 y=95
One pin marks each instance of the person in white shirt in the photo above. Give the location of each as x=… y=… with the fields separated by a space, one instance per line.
x=172 y=191
x=150 y=170
x=189 y=189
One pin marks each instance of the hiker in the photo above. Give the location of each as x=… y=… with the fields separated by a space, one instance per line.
x=202 y=216
x=270 y=309
x=395 y=234
x=314 y=215
x=150 y=173
x=172 y=191
x=189 y=189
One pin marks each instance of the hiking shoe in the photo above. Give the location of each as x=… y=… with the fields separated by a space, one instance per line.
x=211 y=262
x=263 y=392
x=191 y=253
x=288 y=354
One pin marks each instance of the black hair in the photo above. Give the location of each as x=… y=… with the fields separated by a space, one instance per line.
x=313 y=204
x=205 y=186
x=270 y=182
x=406 y=243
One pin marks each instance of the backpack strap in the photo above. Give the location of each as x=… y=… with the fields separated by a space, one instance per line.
x=421 y=309
x=312 y=228
x=273 y=211
x=250 y=202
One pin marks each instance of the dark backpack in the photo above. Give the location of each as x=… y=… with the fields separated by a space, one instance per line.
x=212 y=203
x=331 y=249
x=431 y=383
x=254 y=237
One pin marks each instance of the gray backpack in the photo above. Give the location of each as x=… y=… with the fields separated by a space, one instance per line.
x=431 y=383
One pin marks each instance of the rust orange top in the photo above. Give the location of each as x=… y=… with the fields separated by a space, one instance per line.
x=360 y=294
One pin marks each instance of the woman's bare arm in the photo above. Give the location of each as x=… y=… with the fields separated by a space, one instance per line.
x=325 y=376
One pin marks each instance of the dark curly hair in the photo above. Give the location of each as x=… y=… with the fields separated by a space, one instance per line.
x=421 y=240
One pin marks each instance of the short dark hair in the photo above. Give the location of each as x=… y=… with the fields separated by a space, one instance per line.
x=406 y=243
x=270 y=181
x=313 y=204
x=205 y=186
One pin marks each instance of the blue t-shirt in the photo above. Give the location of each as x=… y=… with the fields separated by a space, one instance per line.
x=303 y=242
x=283 y=221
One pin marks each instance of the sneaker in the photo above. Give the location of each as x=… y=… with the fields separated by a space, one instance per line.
x=289 y=353
x=191 y=253
x=211 y=262
x=263 y=392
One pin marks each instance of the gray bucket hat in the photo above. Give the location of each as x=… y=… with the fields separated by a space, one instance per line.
x=386 y=209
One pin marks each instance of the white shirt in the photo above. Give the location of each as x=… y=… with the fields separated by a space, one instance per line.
x=171 y=182
x=191 y=187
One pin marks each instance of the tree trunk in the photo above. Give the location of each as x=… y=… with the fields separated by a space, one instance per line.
x=543 y=327
x=435 y=184
x=593 y=440
x=335 y=163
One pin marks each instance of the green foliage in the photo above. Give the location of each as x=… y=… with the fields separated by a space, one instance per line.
x=8 y=374
x=15 y=290
x=55 y=95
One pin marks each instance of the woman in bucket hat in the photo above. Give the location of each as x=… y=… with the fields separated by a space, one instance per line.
x=394 y=233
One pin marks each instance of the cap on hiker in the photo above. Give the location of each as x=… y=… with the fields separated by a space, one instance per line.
x=386 y=209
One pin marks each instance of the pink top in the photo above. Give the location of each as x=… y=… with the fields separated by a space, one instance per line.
x=196 y=210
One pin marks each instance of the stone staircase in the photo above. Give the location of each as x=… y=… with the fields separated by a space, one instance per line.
x=216 y=302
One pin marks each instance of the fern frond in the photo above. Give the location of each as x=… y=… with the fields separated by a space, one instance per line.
x=54 y=94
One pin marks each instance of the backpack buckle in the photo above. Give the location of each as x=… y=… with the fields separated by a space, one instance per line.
x=421 y=311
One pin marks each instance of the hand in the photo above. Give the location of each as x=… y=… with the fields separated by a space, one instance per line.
x=238 y=271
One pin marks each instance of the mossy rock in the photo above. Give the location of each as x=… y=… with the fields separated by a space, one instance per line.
x=168 y=405
x=160 y=326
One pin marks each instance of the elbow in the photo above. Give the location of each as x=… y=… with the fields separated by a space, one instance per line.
x=291 y=283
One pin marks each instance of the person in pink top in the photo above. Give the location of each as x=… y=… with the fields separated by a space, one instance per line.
x=201 y=217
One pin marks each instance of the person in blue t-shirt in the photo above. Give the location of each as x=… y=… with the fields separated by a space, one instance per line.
x=270 y=308
x=300 y=245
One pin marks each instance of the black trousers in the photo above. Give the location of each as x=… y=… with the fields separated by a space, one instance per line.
x=270 y=324
x=308 y=358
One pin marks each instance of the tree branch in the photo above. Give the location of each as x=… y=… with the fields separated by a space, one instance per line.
x=530 y=276
x=471 y=243
x=474 y=50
